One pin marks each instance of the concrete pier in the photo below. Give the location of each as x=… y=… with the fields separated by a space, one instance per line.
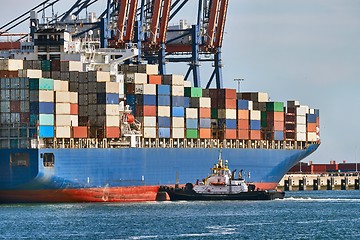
x=331 y=181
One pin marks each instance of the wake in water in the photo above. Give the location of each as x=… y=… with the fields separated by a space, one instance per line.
x=314 y=199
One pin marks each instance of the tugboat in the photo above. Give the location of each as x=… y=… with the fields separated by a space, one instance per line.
x=220 y=185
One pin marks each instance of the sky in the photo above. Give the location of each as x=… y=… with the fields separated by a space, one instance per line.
x=306 y=50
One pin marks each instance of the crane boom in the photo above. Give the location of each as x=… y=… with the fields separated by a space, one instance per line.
x=221 y=23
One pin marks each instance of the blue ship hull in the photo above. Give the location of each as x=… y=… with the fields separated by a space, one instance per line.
x=129 y=174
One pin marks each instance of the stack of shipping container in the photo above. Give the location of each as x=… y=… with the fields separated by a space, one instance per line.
x=80 y=104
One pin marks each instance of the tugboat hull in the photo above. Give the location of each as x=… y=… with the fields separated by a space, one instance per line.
x=178 y=194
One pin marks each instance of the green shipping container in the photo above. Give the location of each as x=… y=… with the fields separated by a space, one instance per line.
x=14 y=143
x=193 y=92
x=275 y=106
x=23 y=132
x=214 y=113
x=192 y=133
x=41 y=84
x=46 y=65
x=46 y=119
x=263 y=119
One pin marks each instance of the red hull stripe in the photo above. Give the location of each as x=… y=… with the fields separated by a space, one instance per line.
x=113 y=194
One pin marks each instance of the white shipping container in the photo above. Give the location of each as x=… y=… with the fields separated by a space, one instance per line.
x=177 y=122
x=149 y=69
x=227 y=113
x=74 y=120
x=61 y=85
x=112 y=110
x=259 y=97
x=255 y=115
x=62 y=120
x=302 y=110
x=301 y=136
x=205 y=102
x=312 y=111
x=136 y=78
x=112 y=121
x=98 y=76
x=149 y=122
x=73 y=97
x=187 y=83
x=301 y=119
x=11 y=64
x=301 y=128
x=178 y=132
x=63 y=132
x=149 y=132
x=191 y=112
x=62 y=108
x=62 y=97
x=177 y=90
x=149 y=89
x=163 y=111
x=46 y=96
x=71 y=66
x=30 y=73
x=311 y=136
x=177 y=80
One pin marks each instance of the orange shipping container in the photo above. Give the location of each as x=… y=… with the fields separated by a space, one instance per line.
x=80 y=132
x=243 y=134
x=243 y=124
x=154 y=79
x=255 y=135
x=204 y=112
x=112 y=132
x=74 y=108
x=278 y=126
x=204 y=133
x=230 y=133
x=243 y=114
x=311 y=127
x=230 y=103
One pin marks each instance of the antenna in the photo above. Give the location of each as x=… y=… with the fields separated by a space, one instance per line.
x=239 y=80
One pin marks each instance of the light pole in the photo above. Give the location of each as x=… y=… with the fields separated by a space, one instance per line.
x=239 y=80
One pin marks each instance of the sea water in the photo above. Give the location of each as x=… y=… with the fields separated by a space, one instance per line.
x=301 y=215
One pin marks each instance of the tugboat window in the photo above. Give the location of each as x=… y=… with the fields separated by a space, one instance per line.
x=49 y=159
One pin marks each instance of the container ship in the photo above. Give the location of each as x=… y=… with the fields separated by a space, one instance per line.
x=80 y=122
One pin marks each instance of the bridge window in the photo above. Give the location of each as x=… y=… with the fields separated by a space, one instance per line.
x=19 y=160
x=48 y=159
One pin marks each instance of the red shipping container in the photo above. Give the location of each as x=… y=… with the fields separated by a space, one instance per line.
x=230 y=134
x=243 y=114
x=130 y=88
x=204 y=133
x=255 y=134
x=223 y=103
x=9 y=45
x=278 y=126
x=74 y=108
x=204 y=112
x=243 y=124
x=24 y=117
x=154 y=79
x=228 y=93
x=243 y=134
x=148 y=111
x=80 y=132
x=15 y=106
x=311 y=127
x=112 y=132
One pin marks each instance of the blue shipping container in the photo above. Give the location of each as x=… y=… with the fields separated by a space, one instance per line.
x=206 y=123
x=130 y=99
x=149 y=100
x=34 y=119
x=163 y=90
x=227 y=123
x=46 y=131
x=186 y=102
x=255 y=124
x=192 y=123
x=34 y=107
x=278 y=135
x=164 y=122
x=163 y=100
x=164 y=132
x=242 y=104
x=177 y=112
x=317 y=112
x=311 y=118
x=177 y=101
